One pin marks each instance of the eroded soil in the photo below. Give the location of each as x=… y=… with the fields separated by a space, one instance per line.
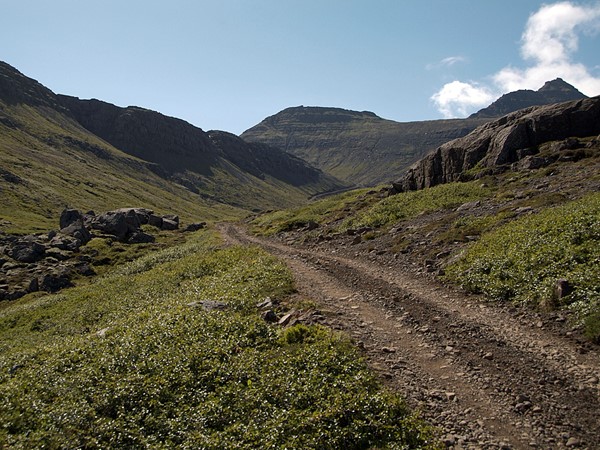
x=486 y=376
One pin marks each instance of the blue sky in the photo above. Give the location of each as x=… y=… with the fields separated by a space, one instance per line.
x=228 y=64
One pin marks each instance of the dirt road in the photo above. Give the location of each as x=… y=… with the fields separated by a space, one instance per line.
x=486 y=376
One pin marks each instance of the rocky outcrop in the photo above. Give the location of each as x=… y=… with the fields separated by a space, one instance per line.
x=49 y=261
x=503 y=142
x=555 y=91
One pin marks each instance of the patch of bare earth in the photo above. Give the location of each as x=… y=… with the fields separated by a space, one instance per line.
x=485 y=376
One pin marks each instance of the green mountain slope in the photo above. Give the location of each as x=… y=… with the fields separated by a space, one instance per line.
x=57 y=151
x=357 y=147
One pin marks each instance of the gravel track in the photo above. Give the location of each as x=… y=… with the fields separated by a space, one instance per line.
x=485 y=376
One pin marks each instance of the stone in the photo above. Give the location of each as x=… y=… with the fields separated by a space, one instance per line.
x=26 y=251
x=269 y=316
x=311 y=225
x=562 y=288
x=168 y=224
x=70 y=216
x=119 y=223
x=573 y=442
x=78 y=231
x=172 y=217
x=53 y=282
x=155 y=221
x=194 y=226
x=139 y=237
x=65 y=243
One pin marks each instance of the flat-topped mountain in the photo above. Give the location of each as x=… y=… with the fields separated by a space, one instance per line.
x=555 y=91
x=357 y=147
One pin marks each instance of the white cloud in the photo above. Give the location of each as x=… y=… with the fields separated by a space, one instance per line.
x=458 y=98
x=447 y=62
x=550 y=39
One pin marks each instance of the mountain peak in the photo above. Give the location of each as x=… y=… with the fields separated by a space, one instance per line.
x=558 y=85
x=17 y=88
x=555 y=91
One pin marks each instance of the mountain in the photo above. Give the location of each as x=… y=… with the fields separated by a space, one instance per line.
x=217 y=166
x=514 y=138
x=57 y=150
x=555 y=91
x=357 y=147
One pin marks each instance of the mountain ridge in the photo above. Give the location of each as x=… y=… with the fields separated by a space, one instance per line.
x=555 y=91
x=123 y=157
x=508 y=140
x=357 y=147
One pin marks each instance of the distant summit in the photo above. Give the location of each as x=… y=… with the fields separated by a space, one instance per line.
x=555 y=91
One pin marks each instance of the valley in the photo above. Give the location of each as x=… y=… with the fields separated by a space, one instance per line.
x=327 y=279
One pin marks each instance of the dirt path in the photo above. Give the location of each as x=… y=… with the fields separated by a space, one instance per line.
x=486 y=377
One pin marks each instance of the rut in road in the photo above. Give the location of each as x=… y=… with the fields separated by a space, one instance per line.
x=487 y=377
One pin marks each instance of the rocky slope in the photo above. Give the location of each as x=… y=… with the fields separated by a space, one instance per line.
x=190 y=155
x=514 y=138
x=555 y=91
x=357 y=147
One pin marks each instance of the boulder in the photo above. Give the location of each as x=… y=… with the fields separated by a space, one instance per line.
x=155 y=221
x=78 y=231
x=139 y=237
x=65 y=242
x=119 y=223
x=194 y=226
x=172 y=217
x=142 y=214
x=70 y=216
x=26 y=251
x=53 y=282
x=168 y=224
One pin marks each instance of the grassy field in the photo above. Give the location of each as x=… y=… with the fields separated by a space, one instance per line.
x=136 y=360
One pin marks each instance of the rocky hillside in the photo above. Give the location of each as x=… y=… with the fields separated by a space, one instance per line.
x=57 y=151
x=357 y=147
x=555 y=91
x=193 y=157
x=512 y=139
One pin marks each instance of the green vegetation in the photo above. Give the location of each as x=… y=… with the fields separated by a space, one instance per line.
x=169 y=351
x=52 y=163
x=410 y=204
x=357 y=209
x=322 y=211
x=522 y=260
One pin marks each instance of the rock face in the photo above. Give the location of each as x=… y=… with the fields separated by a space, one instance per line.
x=555 y=91
x=503 y=141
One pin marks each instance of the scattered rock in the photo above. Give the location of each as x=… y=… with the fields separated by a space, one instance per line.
x=168 y=224
x=194 y=226
x=26 y=251
x=139 y=237
x=573 y=442
x=269 y=316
